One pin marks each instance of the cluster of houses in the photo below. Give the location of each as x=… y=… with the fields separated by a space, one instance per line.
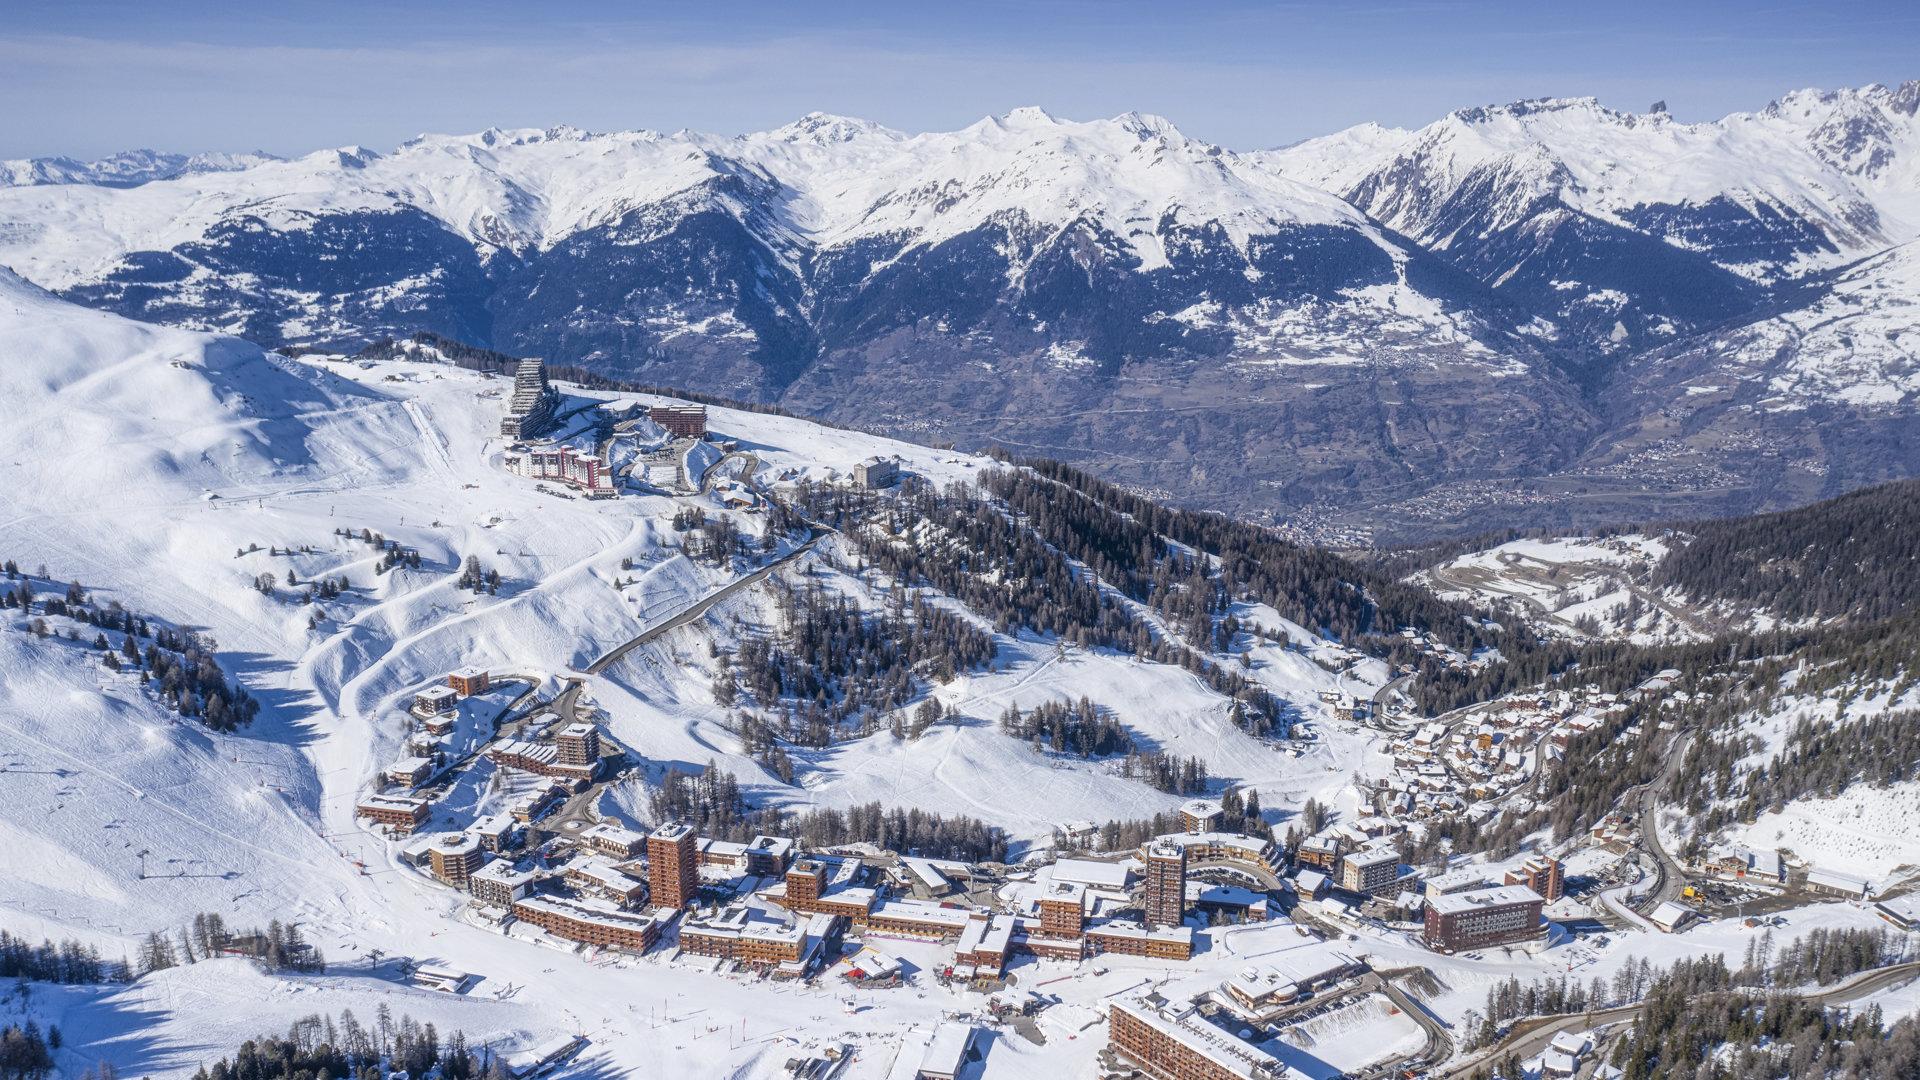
x=1467 y=769
x=610 y=894
x=1356 y=867
x=542 y=764
x=433 y=717
x=764 y=903
x=607 y=886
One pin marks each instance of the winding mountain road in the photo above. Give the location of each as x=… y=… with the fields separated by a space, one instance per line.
x=1533 y=1039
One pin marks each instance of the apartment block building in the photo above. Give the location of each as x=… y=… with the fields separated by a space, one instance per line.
x=1164 y=891
x=1482 y=918
x=673 y=865
x=1170 y=1043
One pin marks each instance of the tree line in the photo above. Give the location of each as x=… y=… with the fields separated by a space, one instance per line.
x=1108 y=525
x=840 y=664
x=1820 y=759
x=966 y=543
x=26 y=1054
x=61 y=962
x=319 y=1047
x=1080 y=728
x=711 y=802
x=1697 y=1006
x=1851 y=557
x=279 y=946
x=177 y=666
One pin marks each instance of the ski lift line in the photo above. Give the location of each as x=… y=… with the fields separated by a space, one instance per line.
x=140 y=794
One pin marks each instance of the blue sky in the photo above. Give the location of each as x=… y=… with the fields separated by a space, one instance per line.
x=86 y=78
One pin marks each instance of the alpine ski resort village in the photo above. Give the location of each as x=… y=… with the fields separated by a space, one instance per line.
x=1043 y=600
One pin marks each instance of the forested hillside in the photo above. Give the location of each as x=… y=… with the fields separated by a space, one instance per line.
x=1855 y=556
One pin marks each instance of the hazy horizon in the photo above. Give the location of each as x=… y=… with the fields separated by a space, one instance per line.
x=106 y=77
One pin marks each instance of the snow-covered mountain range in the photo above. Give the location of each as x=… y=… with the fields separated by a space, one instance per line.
x=1376 y=326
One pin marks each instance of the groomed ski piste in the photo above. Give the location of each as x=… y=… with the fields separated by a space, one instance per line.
x=146 y=463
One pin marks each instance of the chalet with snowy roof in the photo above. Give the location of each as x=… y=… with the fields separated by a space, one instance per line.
x=947 y=1052
x=589 y=921
x=1903 y=912
x=614 y=841
x=926 y=877
x=1759 y=867
x=1671 y=917
x=1310 y=884
x=436 y=701
x=409 y=772
x=393 y=811
x=1845 y=886
x=498 y=883
x=468 y=681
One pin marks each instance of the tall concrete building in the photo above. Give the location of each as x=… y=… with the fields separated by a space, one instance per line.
x=455 y=858
x=530 y=409
x=1543 y=874
x=578 y=745
x=672 y=865
x=1164 y=894
x=1063 y=909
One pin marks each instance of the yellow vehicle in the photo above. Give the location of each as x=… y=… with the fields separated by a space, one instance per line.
x=1690 y=893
